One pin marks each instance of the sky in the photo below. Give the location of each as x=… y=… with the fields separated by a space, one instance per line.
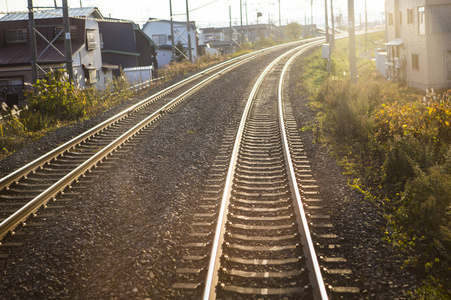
x=214 y=13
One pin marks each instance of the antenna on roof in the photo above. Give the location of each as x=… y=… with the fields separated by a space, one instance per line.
x=56 y=6
x=81 y=5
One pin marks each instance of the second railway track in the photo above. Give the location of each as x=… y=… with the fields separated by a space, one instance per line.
x=25 y=190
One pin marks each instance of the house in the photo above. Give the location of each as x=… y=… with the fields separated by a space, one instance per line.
x=418 y=42
x=160 y=32
x=124 y=44
x=15 y=57
x=227 y=40
x=311 y=30
x=99 y=47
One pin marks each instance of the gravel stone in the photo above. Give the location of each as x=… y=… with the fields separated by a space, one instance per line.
x=121 y=236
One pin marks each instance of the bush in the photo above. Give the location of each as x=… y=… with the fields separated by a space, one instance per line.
x=406 y=158
x=54 y=97
x=263 y=42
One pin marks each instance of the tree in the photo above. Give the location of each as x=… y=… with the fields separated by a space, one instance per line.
x=293 y=31
x=180 y=52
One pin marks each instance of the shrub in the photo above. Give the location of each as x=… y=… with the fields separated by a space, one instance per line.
x=263 y=42
x=54 y=97
x=406 y=158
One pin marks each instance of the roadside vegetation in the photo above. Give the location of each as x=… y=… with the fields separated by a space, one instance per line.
x=396 y=145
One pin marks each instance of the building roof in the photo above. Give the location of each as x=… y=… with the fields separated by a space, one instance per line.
x=83 y=12
x=152 y=20
x=237 y=27
x=395 y=42
x=127 y=53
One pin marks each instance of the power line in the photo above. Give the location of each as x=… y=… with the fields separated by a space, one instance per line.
x=203 y=5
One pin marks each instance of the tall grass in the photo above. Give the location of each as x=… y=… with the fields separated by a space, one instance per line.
x=397 y=145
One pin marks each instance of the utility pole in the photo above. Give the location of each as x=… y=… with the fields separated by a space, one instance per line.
x=280 y=17
x=81 y=5
x=172 y=31
x=241 y=19
x=33 y=51
x=351 y=29
x=67 y=41
x=34 y=58
x=366 y=27
x=188 y=25
x=311 y=17
x=247 y=23
x=332 y=42
x=360 y=16
x=327 y=24
x=230 y=26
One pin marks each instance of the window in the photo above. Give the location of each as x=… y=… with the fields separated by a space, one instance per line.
x=159 y=39
x=410 y=19
x=73 y=32
x=390 y=19
x=92 y=76
x=440 y=20
x=415 y=62
x=101 y=40
x=16 y=36
x=400 y=18
x=90 y=39
x=448 y=65
x=421 y=21
x=13 y=84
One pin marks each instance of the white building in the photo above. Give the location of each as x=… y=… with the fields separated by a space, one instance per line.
x=418 y=42
x=160 y=32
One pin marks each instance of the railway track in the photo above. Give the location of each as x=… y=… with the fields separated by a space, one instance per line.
x=24 y=191
x=261 y=244
x=255 y=235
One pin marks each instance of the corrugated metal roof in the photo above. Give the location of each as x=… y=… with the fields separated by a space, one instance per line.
x=55 y=13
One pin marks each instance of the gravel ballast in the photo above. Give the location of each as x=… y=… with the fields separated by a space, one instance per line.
x=121 y=236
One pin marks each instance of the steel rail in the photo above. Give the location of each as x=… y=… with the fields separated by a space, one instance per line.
x=10 y=223
x=39 y=162
x=319 y=289
x=214 y=262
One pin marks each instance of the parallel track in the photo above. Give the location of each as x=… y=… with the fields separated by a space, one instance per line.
x=25 y=190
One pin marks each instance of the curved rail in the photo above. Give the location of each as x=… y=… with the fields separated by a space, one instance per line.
x=319 y=290
x=214 y=263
